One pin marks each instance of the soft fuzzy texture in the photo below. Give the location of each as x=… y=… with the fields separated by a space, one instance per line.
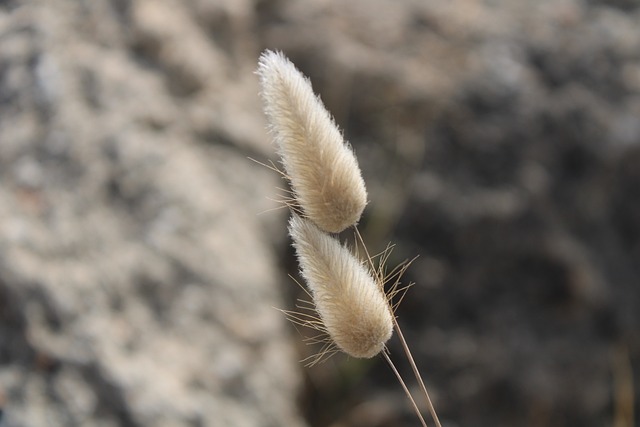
x=322 y=168
x=351 y=304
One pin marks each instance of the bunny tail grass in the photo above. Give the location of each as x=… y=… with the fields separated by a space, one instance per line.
x=323 y=170
x=349 y=301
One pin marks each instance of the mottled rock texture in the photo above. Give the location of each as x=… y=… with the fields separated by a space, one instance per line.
x=500 y=141
x=137 y=280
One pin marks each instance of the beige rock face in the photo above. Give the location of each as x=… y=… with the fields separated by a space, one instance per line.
x=137 y=280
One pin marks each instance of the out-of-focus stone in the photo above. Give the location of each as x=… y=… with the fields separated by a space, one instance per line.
x=499 y=141
x=137 y=279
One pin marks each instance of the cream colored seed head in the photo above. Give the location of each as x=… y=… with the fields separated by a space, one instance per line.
x=351 y=304
x=323 y=170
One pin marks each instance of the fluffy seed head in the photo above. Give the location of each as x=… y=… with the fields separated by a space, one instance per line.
x=351 y=304
x=323 y=170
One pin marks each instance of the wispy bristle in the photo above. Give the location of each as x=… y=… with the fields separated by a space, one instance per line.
x=351 y=304
x=323 y=170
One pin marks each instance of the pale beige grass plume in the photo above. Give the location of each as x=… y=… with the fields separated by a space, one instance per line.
x=323 y=171
x=350 y=302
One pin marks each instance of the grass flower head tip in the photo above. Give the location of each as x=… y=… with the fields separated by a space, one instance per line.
x=322 y=169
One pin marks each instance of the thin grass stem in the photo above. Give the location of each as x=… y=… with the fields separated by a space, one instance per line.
x=403 y=342
x=416 y=372
x=404 y=387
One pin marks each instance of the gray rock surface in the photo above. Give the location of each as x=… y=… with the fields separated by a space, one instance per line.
x=137 y=278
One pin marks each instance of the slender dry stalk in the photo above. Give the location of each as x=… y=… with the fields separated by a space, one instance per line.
x=623 y=390
x=414 y=405
x=322 y=168
x=396 y=275
x=416 y=373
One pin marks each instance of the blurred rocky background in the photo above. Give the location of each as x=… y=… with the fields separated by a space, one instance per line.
x=140 y=258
